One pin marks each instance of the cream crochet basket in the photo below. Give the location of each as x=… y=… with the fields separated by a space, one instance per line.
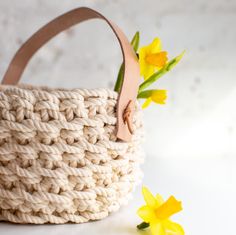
x=67 y=155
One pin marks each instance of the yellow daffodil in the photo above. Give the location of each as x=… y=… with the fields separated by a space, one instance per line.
x=151 y=58
x=156 y=96
x=157 y=212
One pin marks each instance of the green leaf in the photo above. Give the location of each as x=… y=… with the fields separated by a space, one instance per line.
x=170 y=65
x=135 y=41
x=120 y=77
x=175 y=61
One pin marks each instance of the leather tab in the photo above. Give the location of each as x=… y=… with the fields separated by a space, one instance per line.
x=130 y=84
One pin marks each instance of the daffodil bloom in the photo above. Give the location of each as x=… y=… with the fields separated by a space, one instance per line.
x=156 y=96
x=157 y=212
x=151 y=58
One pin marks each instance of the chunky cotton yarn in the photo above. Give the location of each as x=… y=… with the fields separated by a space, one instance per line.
x=59 y=158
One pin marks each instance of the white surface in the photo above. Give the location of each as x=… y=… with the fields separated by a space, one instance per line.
x=190 y=141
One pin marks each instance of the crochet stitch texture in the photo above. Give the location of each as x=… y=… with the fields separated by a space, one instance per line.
x=59 y=158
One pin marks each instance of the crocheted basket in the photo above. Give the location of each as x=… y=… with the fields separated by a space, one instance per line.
x=67 y=155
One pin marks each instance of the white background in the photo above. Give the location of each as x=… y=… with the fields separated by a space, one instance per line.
x=190 y=142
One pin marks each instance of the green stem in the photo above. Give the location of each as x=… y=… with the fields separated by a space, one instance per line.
x=143 y=225
x=145 y=94
x=152 y=79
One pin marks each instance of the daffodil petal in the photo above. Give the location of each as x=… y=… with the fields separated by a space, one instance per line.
x=155 y=46
x=146 y=213
x=157 y=229
x=149 y=197
x=142 y=63
x=159 y=96
x=146 y=70
x=159 y=199
x=173 y=228
x=168 y=208
x=147 y=103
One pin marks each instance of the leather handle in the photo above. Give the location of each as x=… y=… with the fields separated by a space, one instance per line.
x=130 y=84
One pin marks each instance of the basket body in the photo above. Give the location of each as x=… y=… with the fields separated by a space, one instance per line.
x=59 y=158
